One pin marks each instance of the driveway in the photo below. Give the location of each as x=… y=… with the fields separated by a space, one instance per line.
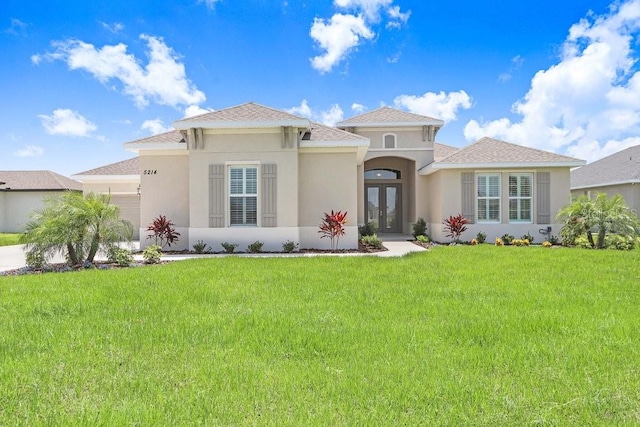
x=11 y=257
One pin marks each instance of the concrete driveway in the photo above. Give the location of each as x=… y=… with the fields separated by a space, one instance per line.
x=11 y=257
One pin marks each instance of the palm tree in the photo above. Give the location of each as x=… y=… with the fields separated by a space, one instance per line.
x=76 y=225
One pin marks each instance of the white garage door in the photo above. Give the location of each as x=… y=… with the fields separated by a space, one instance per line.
x=129 y=210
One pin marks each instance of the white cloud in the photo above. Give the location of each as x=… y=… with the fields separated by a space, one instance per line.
x=68 y=123
x=196 y=110
x=155 y=126
x=371 y=8
x=327 y=117
x=115 y=28
x=162 y=80
x=589 y=102
x=29 y=151
x=210 y=3
x=516 y=64
x=439 y=105
x=358 y=108
x=337 y=38
x=398 y=18
x=17 y=28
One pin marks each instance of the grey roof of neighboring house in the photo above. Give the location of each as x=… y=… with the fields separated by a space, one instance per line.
x=37 y=181
x=248 y=113
x=320 y=132
x=171 y=137
x=389 y=116
x=619 y=168
x=125 y=167
x=441 y=151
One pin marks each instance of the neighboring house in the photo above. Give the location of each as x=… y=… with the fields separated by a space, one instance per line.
x=618 y=173
x=22 y=192
x=122 y=181
x=251 y=172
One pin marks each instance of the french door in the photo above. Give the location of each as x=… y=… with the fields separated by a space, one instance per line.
x=383 y=204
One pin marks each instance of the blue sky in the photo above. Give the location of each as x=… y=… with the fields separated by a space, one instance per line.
x=79 y=78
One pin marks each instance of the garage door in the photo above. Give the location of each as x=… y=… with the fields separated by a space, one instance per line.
x=129 y=210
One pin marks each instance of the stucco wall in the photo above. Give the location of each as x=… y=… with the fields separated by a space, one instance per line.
x=118 y=187
x=18 y=205
x=409 y=145
x=630 y=192
x=2 y=213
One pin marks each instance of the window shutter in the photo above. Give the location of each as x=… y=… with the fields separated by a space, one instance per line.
x=544 y=197
x=269 y=195
x=468 y=199
x=216 y=196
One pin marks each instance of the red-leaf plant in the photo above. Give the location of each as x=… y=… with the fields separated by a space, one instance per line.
x=333 y=227
x=455 y=226
x=163 y=231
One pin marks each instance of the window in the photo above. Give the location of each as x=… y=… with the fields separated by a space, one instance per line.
x=243 y=195
x=520 y=197
x=389 y=141
x=489 y=198
x=382 y=174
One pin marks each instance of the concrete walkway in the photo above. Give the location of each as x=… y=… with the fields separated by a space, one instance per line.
x=12 y=257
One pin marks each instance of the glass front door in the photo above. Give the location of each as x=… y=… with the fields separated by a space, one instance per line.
x=384 y=202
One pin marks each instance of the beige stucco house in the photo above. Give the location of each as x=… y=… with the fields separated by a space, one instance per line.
x=22 y=192
x=618 y=173
x=251 y=172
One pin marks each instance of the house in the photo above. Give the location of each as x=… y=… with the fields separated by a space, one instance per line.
x=252 y=172
x=618 y=173
x=22 y=192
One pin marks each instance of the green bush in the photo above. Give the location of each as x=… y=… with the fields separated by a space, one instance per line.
x=621 y=243
x=423 y=239
x=507 y=239
x=481 y=237
x=152 y=254
x=419 y=228
x=120 y=256
x=201 y=247
x=35 y=259
x=229 y=247
x=372 y=241
x=528 y=237
x=255 y=247
x=582 y=242
x=367 y=230
x=289 y=246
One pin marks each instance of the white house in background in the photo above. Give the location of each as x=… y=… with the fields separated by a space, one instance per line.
x=618 y=173
x=252 y=172
x=22 y=192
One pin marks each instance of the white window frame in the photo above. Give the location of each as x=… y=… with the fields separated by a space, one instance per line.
x=519 y=198
x=244 y=166
x=488 y=198
x=384 y=141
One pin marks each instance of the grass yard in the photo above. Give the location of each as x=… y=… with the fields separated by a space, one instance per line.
x=8 y=239
x=459 y=335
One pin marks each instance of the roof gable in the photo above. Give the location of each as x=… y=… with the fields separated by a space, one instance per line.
x=441 y=151
x=38 y=181
x=387 y=116
x=619 y=168
x=249 y=115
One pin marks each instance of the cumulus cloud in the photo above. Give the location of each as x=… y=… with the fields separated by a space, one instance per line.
x=439 y=105
x=588 y=103
x=370 y=8
x=155 y=126
x=162 y=80
x=358 y=108
x=196 y=110
x=327 y=117
x=29 y=151
x=68 y=123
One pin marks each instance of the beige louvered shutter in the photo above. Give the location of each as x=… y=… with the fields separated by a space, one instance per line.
x=468 y=200
x=216 y=196
x=544 y=197
x=269 y=195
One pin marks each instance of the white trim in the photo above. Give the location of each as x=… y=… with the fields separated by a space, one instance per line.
x=334 y=144
x=499 y=198
x=435 y=166
x=379 y=150
x=432 y=122
x=102 y=178
x=605 y=184
x=136 y=146
x=230 y=124
x=509 y=197
x=244 y=165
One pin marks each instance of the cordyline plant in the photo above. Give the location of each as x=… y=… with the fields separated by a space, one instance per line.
x=164 y=232
x=455 y=226
x=333 y=227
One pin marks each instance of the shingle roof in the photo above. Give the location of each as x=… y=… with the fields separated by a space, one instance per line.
x=441 y=151
x=619 y=168
x=125 y=167
x=38 y=180
x=488 y=150
x=170 y=137
x=391 y=116
x=321 y=132
x=249 y=112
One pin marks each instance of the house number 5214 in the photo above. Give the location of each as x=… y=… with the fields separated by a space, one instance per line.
x=149 y=172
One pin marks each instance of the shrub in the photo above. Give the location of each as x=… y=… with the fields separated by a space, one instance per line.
x=481 y=237
x=507 y=238
x=474 y=242
x=528 y=237
x=499 y=242
x=455 y=226
x=419 y=228
x=372 y=241
x=546 y=244
x=201 y=247
x=621 y=243
x=120 y=256
x=35 y=258
x=423 y=239
x=255 y=247
x=289 y=246
x=554 y=240
x=163 y=232
x=582 y=242
x=366 y=230
x=152 y=254
x=520 y=242
x=229 y=247
x=333 y=227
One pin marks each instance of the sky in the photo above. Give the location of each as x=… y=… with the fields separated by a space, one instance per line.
x=80 y=78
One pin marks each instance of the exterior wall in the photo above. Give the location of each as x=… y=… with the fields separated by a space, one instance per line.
x=164 y=190
x=447 y=190
x=409 y=144
x=124 y=193
x=327 y=181
x=129 y=205
x=3 y=204
x=630 y=192
x=16 y=207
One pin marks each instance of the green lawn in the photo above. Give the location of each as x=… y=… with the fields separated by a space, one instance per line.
x=8 y=239
x=459 y=336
